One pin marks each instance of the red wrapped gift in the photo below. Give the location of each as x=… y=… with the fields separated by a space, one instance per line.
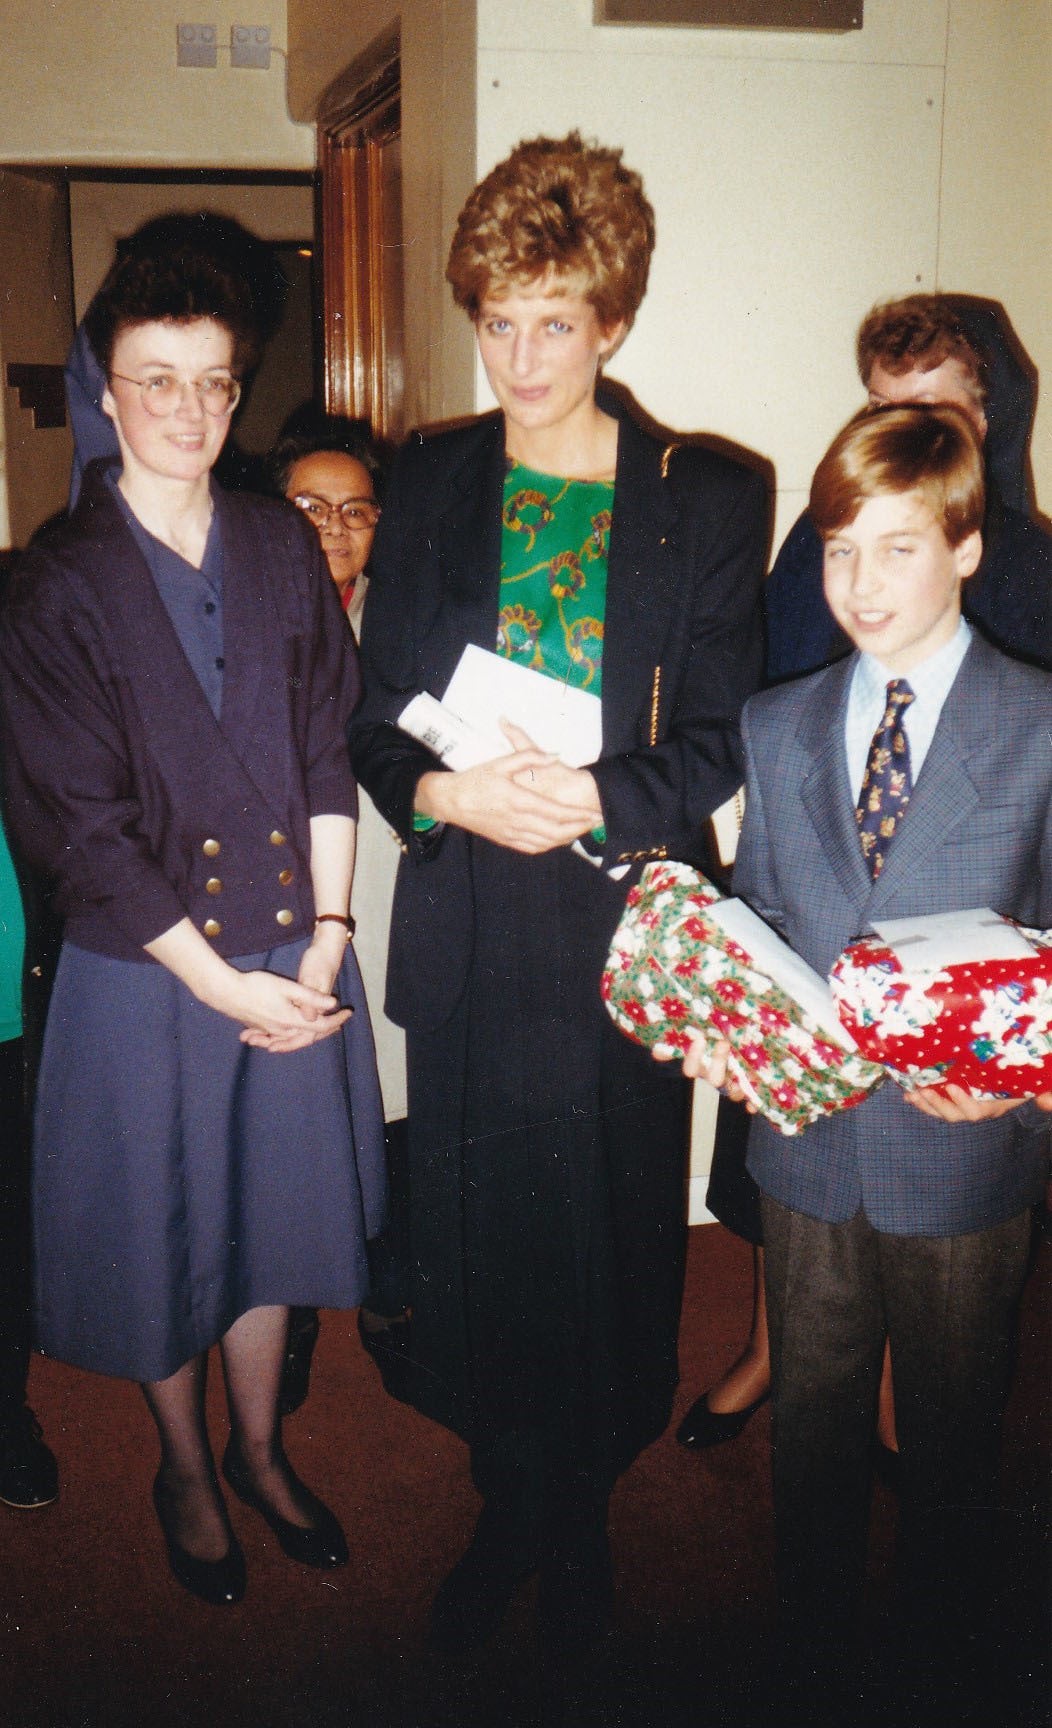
x=963 y=997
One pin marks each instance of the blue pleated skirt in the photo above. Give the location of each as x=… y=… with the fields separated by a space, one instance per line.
x=182 y=1178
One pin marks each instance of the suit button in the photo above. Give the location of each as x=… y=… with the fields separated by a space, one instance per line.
x=277 y=838
x=284 y=916
x=213 y=885
x=211 y=848
x=211 y=926
x=285 y=877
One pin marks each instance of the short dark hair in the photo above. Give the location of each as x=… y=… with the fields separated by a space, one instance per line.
x=919 y=333
x=178 y=268
x=931 y=450
x=309 y=430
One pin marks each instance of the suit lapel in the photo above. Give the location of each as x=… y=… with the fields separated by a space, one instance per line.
x=641 y=591
x=821 y=735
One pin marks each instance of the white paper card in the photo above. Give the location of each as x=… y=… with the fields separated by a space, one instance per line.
x=953 y=939
x=558 y=717
x=777 y=961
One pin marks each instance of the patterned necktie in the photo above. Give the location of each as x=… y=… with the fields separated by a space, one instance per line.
x=887 y=782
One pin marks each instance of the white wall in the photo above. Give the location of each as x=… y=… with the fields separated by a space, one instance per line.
x=797 y=179
x=95 y=81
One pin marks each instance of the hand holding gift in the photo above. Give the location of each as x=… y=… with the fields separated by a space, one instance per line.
x=687 y=965
x=958 y=1009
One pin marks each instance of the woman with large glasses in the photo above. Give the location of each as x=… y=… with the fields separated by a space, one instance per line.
x=546 y=1153
x=175 y=679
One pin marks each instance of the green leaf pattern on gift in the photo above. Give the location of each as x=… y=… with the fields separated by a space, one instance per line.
x=670 y=966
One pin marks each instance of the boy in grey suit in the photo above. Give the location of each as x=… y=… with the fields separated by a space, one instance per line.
x=913 y=778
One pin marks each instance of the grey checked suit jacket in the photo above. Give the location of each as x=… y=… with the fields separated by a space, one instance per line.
x=978 y=832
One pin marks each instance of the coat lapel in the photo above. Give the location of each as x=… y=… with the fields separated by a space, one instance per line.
x=641 y=590
x=821 y=735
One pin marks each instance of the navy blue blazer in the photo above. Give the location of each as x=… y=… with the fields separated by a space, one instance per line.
x=978 y=832
x=119 y=781
x=682 y=620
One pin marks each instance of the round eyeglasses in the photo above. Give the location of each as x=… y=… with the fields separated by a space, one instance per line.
x=355 y=513
x=162 y=392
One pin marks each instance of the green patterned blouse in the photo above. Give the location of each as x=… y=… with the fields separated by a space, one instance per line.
x=554 y=549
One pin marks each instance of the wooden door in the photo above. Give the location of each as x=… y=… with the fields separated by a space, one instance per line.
x=361 y=237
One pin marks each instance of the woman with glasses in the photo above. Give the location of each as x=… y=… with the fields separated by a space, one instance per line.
x=332 y=469
x=175 y=680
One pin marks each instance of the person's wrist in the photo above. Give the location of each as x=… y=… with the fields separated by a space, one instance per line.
x=337 y=925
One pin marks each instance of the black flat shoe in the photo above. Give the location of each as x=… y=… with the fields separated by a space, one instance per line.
x=702 y=1427
x=319 y=1544
x=219 y=1582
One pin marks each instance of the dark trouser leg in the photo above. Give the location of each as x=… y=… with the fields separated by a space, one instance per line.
x=15 y=1243
x=827 y=1337
x=951 y=1304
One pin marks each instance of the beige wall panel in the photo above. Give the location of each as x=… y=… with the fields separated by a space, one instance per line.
x=102 y=212
x=996 y=234
x=90 y=83
x=789 y=196
x=36 y=326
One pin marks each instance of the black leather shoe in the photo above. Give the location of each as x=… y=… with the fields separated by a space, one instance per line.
x=220 y=1582
x=702 y=1427
x=28 y=1470
x=321 y=1543
x=474 y=1597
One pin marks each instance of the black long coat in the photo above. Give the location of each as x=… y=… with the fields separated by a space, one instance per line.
x=546 y=1214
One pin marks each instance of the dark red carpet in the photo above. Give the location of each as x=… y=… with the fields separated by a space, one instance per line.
x=95 y=1634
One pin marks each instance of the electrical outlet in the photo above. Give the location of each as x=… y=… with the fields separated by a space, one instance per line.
x=195 y=44
x=250 y=45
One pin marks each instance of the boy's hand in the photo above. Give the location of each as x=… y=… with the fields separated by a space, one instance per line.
x=954 y=1104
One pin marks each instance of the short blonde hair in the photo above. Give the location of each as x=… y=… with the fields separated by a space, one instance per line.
x=558 y=207
x=931 y=450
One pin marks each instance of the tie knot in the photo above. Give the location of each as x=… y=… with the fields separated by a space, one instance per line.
x=900 y=695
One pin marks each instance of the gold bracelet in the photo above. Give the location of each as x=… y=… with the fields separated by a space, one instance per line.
x=336 y=918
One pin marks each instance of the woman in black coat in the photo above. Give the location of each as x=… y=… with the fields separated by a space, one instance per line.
x=546 y=1153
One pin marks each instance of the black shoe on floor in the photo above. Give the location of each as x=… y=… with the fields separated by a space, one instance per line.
x=320 y=1543
x=218 y=1582
x=702 y=1427
x=474 y=1597
x=28 y=1468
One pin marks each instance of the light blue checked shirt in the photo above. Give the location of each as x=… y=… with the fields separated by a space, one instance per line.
x=930 y=682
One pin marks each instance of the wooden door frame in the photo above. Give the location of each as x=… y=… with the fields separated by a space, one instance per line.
x=361 y=116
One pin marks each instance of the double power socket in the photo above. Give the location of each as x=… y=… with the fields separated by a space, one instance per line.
x=198 y=45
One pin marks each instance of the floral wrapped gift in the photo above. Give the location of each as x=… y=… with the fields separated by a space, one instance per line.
x=685 y=957
x=963 y=997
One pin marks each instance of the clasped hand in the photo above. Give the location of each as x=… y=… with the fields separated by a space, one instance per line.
x=286 y=1014
x=528 y=801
